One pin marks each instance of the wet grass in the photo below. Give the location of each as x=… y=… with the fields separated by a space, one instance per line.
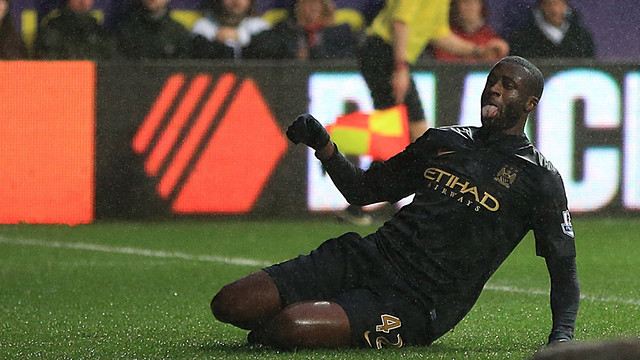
x=142 y=291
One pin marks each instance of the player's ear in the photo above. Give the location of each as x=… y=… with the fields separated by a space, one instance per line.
x=532 y=103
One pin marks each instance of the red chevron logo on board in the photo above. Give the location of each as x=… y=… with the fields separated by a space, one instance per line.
x=211 y=147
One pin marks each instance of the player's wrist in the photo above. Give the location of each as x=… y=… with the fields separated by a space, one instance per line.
x=326 y=152
x=319 y=139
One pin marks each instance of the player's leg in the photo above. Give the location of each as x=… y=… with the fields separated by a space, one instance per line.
x=284 y=302
x=375 y=59
x=415 y=112
x=306 y=286
x=248 y=302
x=251 y=301
x=309 y=325
x=390 y=314
x=356 y=318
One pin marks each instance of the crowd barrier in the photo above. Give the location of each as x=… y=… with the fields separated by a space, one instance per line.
x=86 y=141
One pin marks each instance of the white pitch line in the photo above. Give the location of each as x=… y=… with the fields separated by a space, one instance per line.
x=135 y=251
x=543 y=292
x=250 y=262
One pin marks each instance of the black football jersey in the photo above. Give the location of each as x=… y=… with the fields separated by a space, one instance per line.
x=477 y=194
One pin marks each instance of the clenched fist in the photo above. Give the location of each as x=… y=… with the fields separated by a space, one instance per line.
x=307 y=130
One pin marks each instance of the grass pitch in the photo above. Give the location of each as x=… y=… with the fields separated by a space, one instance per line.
x=142 y=291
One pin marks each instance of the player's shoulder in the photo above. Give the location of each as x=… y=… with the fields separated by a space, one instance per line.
x=460 y=130
x=532 y=155
x=454 y=132
x=548 y=174
x=449 y=137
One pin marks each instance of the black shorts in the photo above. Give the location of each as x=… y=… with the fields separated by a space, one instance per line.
x=376 y=65
x=382 y=308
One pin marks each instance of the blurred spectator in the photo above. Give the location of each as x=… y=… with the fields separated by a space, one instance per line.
x=148 y=32
x=11 y=44
x=71 y=32
x=309 y=33
x=468 y=20
x=230 y=23
x=553 y=31
x=354 y=12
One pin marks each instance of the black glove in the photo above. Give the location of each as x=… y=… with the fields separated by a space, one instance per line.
x=307 y=130
x=558 y=337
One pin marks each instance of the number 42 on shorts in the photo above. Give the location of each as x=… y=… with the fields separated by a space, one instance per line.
x=389 y=322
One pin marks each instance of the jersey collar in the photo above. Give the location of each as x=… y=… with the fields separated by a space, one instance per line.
x=500 y=140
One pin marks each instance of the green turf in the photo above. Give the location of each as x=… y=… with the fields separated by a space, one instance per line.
x=61 y=298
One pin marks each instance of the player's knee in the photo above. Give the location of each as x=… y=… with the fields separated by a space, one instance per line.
x=247 y=302
x=225 y=305
x=287 y=331
x=293 y=328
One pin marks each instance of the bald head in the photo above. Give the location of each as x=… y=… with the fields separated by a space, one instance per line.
x=535 y=81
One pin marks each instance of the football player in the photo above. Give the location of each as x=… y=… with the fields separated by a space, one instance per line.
x=478 y=192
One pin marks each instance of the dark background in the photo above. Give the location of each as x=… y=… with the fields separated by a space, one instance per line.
x=614 y=24
x=127 y=90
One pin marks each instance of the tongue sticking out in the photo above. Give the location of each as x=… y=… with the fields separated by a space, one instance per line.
x=489 y=111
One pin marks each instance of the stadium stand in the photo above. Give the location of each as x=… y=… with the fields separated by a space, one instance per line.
x=607 y=22
x=350 y=16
